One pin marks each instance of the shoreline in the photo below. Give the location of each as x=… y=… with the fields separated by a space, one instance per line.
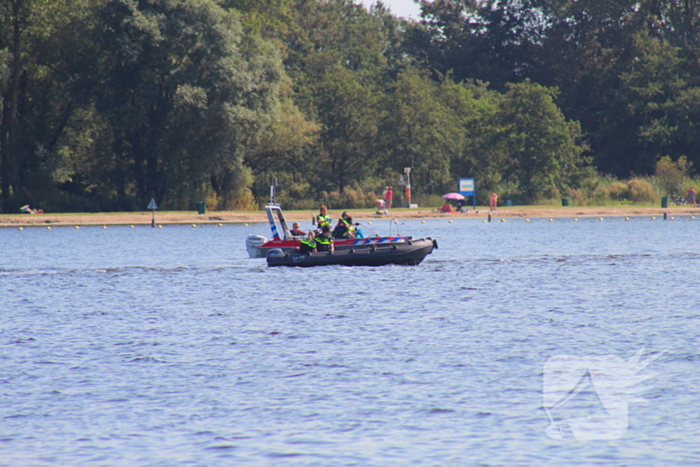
x=243 y=217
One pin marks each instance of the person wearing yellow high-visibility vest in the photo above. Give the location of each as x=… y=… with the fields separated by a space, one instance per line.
x=324 y=242
x=323 y=219
x=308 y=245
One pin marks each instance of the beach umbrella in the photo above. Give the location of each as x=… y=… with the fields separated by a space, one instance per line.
x=456 y=196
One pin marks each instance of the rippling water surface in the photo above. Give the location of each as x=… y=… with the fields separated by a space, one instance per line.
x=170 y=346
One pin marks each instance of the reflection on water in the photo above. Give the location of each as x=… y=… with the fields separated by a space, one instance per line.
x=169 y=346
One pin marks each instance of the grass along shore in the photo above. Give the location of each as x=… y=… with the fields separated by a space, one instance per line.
x=227 y=217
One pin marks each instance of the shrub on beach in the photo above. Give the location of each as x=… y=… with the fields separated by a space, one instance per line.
x=641 y=191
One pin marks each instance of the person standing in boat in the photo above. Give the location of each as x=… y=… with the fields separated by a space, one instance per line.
x=324 y=242
x=323 y=219
x=308 y=245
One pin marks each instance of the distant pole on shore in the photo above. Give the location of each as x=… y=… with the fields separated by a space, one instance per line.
x=153 y=206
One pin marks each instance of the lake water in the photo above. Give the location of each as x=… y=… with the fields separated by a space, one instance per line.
x=170 y=347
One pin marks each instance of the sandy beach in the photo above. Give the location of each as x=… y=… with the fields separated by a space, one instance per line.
x=223 y=217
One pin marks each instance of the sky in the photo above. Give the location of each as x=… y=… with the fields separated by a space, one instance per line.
x=404 y=8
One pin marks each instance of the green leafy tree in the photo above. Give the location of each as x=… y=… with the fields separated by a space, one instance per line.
x=543 y=154
x=38 y=99
x=423 y=129
x=184 y=92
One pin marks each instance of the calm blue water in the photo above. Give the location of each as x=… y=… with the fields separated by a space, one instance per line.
x=170 y=347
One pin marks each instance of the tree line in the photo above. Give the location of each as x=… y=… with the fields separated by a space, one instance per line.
x=108 y=103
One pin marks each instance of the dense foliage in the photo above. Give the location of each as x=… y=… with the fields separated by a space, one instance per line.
x=108 y=103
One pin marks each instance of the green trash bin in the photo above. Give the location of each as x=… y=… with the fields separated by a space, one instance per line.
x=201 y=209
x=664 y=202
x=565 y=201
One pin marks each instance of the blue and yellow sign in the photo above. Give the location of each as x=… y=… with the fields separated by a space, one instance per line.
x=467 y=187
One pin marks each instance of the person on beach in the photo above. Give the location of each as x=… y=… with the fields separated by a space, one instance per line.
x=690 y=197
x=493 y=201
x=447 y=207
x=388 y=197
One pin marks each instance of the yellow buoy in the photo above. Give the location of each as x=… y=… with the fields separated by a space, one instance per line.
x=104 y=226
x=692 y=217
x=221 y=225
x=483 y=222
x=576 y=219
x=600 y=218
x=672 y=217
x=653 y=218
x=194 y=225
x=160 y=226
x=21 y=228
x=48 y=228
x=527 y=220
x=422 y=222
x=627 y=218
x=131 y=226
x=246 y=225
x=551 y=220
x=503 y=220
x=450 y=222
x=368 y=223
x=77 y=227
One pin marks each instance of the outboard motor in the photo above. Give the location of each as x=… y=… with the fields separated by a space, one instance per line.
x=274 y=253
x=253 y=244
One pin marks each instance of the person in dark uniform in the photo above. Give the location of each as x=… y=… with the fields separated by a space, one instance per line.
x=308 y=245
x=324 y=242
x=345 y=228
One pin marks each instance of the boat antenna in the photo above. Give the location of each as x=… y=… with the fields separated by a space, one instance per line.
x=273 y=185
x=392 y=222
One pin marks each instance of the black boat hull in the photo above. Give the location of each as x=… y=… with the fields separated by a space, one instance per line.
x=410 y=253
